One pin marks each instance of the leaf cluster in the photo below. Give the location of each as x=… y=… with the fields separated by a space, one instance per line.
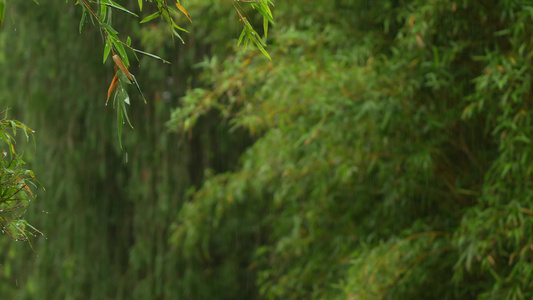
x=15 y=182
x=392 y=156
x=100 y=13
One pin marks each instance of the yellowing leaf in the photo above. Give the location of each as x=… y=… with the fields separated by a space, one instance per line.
x=182 y=9
x=121 y=66
x=113 y=85
x=27 y=188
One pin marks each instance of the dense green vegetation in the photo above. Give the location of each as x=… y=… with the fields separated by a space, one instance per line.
x=15 y=181
x=383 y=153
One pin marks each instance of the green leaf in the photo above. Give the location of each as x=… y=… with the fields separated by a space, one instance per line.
x=119 y=7
x=107 y=49
x=171 y=21
x=178 y=35
x=151 y=55
x=110 y=29
x=135 y=54
x=123 y=78
x=141 y=5
x=262 y=49
x=138 y=87
x=128 y=41
x=120 y=48
x=124 y=99
x=2 y=11
x=265 y=26
x=124 y=110
x=82 y=21
x=151 y=17
x=178 y=27
x=243 y=33
x=103 y=11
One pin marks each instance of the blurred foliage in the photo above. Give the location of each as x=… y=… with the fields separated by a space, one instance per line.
x=106 y=213
x=15 y=182
x=383 y=153
x=392 y=157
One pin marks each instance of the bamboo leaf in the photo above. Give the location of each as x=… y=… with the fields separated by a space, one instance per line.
x=124 y=110
x=123 y=98
x=121 y=66
x=107 y=50
x=138 y=88
x=118 y=6
x=182 y=9
x=243 y=33
x=2 y=11
x=265 y=26
x=151 y=55
x=122 y=78
x=178 y=35
x=113 y=85
x=82 y=21
x=178 y=27
x=110 y=30
x=120 y=48
x=151 y=17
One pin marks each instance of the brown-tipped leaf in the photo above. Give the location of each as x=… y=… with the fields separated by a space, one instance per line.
x=121 y=66
x=182 y=9
x=113 y=85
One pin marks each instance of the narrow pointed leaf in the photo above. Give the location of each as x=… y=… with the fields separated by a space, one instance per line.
x=121 y=66
x=138 y=88
x=113 y=85
x=120 y=48
x=262 y=49
x=151 y=17
x=151 y=55
x=119 y=7
x=265 y=27
x=178 y=35
x=243 y=33
x=182 y=9
x=107 y=50
x=2 y=11
x=124 y=110
x=103 y=12
x=82 y=21
x=123 y=98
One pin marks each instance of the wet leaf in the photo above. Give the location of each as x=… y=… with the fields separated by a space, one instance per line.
x=151 y=17
x=107 y=50
x=121 y=66
x=182 y=9
x=113 y=85
x=119 y=7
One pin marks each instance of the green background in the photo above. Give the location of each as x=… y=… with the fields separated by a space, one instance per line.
x=383 y=153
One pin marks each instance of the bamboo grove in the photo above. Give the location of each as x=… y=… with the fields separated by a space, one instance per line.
x=383 y=152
